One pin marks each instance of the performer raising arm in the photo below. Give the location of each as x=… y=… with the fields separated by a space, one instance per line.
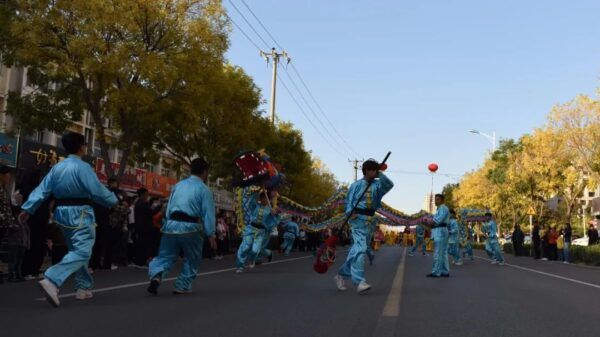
x=377 y=185
x=74 y=186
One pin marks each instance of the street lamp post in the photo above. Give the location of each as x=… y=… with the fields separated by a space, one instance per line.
x=491 y=138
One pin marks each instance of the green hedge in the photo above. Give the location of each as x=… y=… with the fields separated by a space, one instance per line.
x=579 y=254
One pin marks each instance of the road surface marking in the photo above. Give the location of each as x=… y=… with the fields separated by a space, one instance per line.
x=546 y=274
x=386 y=325
x=138 y=284
x=392 y=304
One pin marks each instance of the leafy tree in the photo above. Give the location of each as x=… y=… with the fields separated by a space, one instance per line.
x=123 y=61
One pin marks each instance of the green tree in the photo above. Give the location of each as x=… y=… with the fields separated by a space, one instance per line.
x=123 y=61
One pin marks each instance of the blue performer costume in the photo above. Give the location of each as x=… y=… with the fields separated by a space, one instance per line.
x=189 y=217
x=467 y=234
x=419 y=241
x=354 y=266
x=290 y=232
x=74 y=186
x=454 y=240
x=492 y=243
x=258 y=215
x=439 y=234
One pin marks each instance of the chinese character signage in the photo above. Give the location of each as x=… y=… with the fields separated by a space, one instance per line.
x=133 y=178
x=41 y=157
x=159 y=185
x=8 y=150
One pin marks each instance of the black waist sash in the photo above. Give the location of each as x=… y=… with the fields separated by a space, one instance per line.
x=73 y=202
x=180 y=216
x=365 y=211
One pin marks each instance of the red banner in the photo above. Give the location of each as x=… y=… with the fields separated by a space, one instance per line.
x=159 y=185
x=133 y=178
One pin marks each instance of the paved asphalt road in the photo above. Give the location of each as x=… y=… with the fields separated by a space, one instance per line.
x=286 y=298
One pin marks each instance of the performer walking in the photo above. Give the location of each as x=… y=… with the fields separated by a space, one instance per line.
x=419 y=241
x=439 y=233
x=372 y=187
x=290 y=233
x=453 y=240
x=492 y=241
x=74 y=186
x=189 y=217
x=258 y=215
x=467 y=234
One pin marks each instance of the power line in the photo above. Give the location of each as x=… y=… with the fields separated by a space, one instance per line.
x=261 y=24
x=313 y=112
x=322 y=112
x=243 y=32
x=321 y=109
x=249 y=24
x=306 y=116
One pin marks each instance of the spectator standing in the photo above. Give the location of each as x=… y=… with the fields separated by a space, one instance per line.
x=221 y=236
x=517 y=240
x=144 y=229
x=38 y=224
x=544 y=237
x=560 y=246
x=592 y=234
x=567 y=236
x=302 y=240
x=16 y=233
x=552 y=237
x=536 y=242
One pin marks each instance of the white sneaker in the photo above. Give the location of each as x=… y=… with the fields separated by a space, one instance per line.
x=50 y=291
x=459 y=263
x=544 y=259
x=362 y=287
x=114 y=267
x=494 y=262
x=252 y=265
x=340 y=283
x=239 y=270
x=501 y=263
x=83 y=294
x=411 y=254
x=30 y=278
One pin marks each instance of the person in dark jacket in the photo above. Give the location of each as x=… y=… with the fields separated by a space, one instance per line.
x=536 y=242
x=567 y=235
x=16 y=237
x=517 y=240
x=38 y=225
x=592 y=234
x=144 y=229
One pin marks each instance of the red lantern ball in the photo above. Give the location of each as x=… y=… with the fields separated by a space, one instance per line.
x=383 y=167
x=433 y=167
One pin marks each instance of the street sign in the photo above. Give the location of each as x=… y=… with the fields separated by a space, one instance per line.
x=531 y=211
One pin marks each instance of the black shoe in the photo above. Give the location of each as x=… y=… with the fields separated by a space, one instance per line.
x=445 y=275
x=270 y=258
x=153 y=287
x=432 y=275
x=258 y=262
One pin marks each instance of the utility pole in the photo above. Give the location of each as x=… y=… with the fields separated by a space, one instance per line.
x=273 y=55
x=355 y=167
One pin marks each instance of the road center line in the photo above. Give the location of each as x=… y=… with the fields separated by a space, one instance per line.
x=391 y=310
x=138 y=284
x=546 y=274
